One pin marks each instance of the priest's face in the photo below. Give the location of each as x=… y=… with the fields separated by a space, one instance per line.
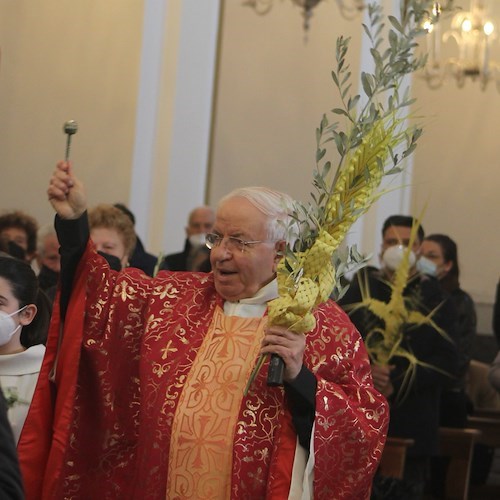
x=241 y=270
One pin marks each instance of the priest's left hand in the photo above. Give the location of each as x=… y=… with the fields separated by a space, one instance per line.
x=288 y=345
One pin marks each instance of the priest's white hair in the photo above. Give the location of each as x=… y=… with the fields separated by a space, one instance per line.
x=277 y=206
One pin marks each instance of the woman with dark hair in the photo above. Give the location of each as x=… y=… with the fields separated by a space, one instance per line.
x=439 y=258
x=24 y=320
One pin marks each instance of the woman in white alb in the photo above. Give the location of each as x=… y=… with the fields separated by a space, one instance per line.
x=24 y=319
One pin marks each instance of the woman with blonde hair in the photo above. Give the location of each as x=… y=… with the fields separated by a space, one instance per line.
x=112 y=232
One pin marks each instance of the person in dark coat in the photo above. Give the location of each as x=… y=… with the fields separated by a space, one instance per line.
x=10 y=477
x=139 y=258
x=48 y=259
x=414 y=406
x=440 y=255
x=195 y=256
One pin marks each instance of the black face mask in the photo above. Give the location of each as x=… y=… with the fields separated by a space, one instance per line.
x=47 y=278
x=114 y=262
x=16 y=251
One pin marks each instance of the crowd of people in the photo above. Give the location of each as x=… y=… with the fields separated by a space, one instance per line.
x=142 y=373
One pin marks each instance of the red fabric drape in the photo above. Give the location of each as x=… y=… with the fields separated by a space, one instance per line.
x=45 y=433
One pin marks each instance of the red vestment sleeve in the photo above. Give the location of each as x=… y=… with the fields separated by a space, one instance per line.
x=45 y=434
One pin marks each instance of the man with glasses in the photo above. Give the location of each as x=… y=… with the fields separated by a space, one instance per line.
x=151 y=375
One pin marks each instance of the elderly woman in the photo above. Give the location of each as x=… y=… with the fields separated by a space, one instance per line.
x=112 y=232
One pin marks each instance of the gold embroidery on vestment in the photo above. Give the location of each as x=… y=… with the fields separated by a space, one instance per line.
x=200 y=460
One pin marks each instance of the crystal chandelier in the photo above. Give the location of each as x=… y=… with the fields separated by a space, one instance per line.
x=348 y=8
x=473 y=34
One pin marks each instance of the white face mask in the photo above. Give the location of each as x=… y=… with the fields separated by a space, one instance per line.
x=198 y=240
x=8 y=326
x=426 y=266
x=393 y=257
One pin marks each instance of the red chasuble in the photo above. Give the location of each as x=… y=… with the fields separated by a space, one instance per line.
x=137 y=353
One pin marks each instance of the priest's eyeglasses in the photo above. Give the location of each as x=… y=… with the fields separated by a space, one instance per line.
x=233 y=244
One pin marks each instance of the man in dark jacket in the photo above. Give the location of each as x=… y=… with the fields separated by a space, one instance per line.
x=414 y=406
x=195 y=256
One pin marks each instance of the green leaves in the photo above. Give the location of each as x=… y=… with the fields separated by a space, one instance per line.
x=352 y=102
x=341 y=141
x=396 y=24
x=381 y=103
x=319 y=154
x=366 y=81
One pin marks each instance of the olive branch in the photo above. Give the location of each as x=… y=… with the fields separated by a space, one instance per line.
x=373 y=144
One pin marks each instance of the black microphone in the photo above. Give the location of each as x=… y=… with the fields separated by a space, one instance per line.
x=70 y=128
x=275 y=371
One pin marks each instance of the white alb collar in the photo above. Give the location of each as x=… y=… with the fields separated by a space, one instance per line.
x=253 y=307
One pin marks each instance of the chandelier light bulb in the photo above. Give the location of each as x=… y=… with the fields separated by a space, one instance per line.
x=467 y=25
x=488 y=28
x=428 y=26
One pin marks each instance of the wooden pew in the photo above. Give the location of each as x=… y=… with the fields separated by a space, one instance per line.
x=392 y=463
x=489 y=427
x=488 y=423
x=487 y=413
x=458 y=445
